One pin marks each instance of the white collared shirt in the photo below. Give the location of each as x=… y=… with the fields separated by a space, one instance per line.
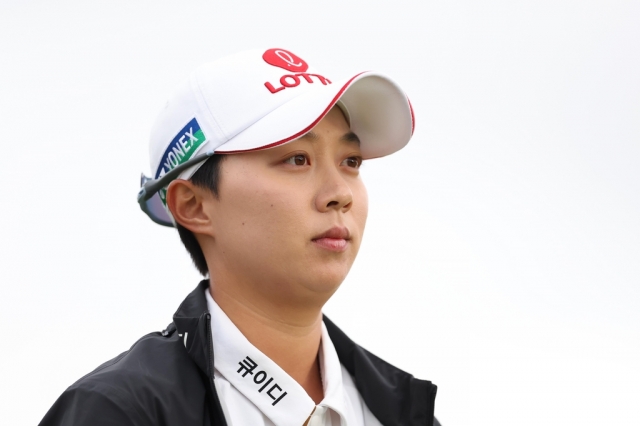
x=255 y=391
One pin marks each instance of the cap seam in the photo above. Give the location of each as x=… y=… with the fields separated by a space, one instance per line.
x=203 y=100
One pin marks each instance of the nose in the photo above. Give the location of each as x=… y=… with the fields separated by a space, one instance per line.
x=334 y=193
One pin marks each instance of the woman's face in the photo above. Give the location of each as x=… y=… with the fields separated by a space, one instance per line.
x=289 y=220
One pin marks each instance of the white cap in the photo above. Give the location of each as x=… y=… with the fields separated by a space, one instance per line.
x=260 y=99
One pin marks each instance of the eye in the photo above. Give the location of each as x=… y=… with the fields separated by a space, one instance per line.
x=353 y=162
x=298 y=160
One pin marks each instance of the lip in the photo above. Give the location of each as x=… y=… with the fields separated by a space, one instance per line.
x=335 y=239
x=336 y=233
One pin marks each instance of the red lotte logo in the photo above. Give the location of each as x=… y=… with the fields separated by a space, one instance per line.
x=285 y=60
x=291 y=62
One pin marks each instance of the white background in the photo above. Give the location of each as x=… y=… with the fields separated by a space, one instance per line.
x=502 y=253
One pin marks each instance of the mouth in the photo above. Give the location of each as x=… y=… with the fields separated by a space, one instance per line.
x=335 y=239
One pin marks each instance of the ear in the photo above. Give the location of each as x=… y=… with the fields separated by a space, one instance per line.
x=186 y=203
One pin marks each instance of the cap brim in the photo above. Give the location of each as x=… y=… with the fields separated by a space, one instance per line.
x=379 y=113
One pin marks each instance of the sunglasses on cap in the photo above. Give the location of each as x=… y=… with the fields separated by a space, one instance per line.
x=149 y=197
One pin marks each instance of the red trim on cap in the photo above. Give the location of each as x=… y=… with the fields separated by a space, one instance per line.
x=311 y=126
x=413 y=117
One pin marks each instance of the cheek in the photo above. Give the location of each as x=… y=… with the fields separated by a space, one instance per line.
x=259 y=221
x=361 y=206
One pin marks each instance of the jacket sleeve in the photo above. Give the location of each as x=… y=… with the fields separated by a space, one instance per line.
x=92 y=406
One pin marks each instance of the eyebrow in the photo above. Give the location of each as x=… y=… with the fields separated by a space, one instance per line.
x=349 y=137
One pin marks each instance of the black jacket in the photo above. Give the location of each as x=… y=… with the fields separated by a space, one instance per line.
x=159 y=382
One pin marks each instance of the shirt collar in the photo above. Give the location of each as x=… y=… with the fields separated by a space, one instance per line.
x=263 y=382
x=331 y=371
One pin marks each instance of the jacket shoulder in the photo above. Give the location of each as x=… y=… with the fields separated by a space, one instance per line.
x=153 y=383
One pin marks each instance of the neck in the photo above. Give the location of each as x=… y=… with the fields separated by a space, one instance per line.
x=290 y=338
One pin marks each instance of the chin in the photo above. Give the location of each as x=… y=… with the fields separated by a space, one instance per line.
x=325 y=280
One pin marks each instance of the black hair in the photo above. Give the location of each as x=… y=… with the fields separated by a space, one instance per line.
x=207 y=176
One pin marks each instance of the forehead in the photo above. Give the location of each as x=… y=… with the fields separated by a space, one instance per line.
x=332 y=130
x=333 y=124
